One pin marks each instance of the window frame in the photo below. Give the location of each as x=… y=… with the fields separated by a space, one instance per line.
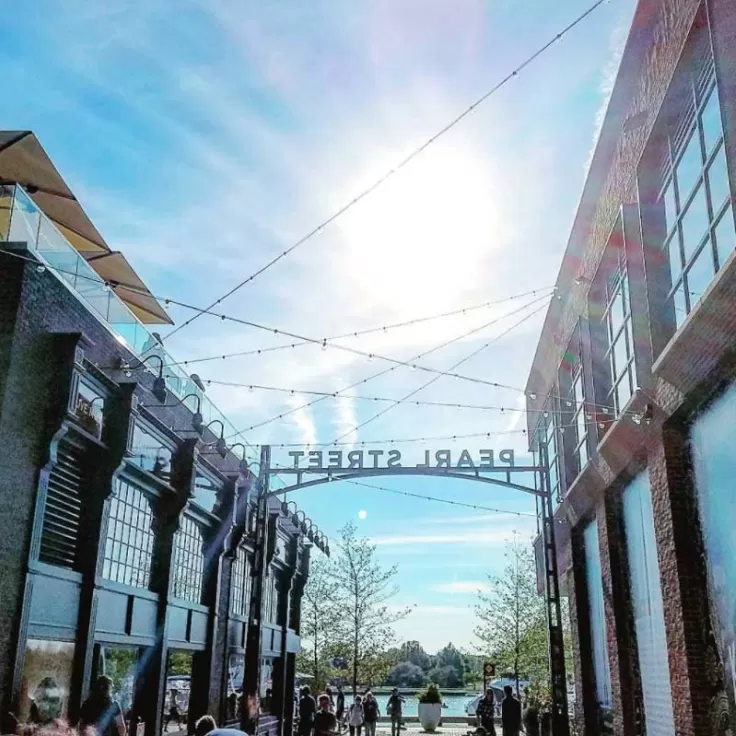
x=240 y=583
x=188 y=554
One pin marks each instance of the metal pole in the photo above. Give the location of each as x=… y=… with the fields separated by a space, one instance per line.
x=252 y=676
x=558 y=681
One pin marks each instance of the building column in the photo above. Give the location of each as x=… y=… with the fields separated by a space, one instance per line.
x=151 y=686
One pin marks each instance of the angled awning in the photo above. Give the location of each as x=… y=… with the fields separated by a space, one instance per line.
x=24 y=161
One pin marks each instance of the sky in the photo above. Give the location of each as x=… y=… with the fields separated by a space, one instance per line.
x=204 y=137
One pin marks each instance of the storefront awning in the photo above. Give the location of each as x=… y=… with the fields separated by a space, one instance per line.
x=24 y=161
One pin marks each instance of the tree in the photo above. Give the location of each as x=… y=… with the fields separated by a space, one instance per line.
x=446 y=676
x=318 y=622
x=412 y=651
x=407 y=674
x=512 y=620
x=363 y=589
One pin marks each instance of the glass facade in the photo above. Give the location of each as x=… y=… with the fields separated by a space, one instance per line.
x=713 y=438
x=596 y=611
x=696 y=197
x=619 y=335
x=189 y=561
x=549 y=437
x=647 y=607
x=130 y=538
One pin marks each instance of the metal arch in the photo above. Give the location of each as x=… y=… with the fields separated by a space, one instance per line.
x=331 y=477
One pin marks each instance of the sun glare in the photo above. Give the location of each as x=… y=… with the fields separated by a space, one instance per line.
x=425 y=236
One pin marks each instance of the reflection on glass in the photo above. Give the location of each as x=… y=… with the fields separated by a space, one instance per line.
x=720 y=189
x=89 y=409
x=620 y=355
x=47 y=675
x=711 y=121
x=680 y=305
x=623 y=393
x=690 y=166
x=694 y=223
x=725 y=237
x=675 y=259
x=205 y=492
x=150 y=452
x=700 y=274
x=670 y=206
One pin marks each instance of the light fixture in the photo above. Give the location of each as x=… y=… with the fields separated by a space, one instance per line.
x=533 y=396
x=159 y=383
x=243 y=465
x=220 y=444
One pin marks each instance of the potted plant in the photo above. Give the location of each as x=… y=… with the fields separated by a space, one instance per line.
x=430 y=708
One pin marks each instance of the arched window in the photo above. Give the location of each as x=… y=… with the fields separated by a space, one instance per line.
x=188 y=561
x=129 y=542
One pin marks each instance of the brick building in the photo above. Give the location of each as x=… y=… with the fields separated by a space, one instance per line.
x=632 y=387
x=126 y=501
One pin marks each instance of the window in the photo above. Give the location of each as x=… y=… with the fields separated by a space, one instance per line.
x=596 y=610
x=548 y=438
x=189 y=561
x=619 y=336
x=571 y=378
x=695 y=195
x=130 y=538
x=240 y=584
x=205 y=491
x=88 y=408
x=270 y=611
x=150 y=451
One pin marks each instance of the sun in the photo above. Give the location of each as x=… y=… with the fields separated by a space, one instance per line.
x=423 y=236
x=362 y=514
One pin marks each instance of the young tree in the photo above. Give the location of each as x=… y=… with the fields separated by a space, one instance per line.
x=319 y=621
x=512 y=618
x=363 y=589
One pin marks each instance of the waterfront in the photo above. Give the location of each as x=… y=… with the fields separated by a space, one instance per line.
x=455 y=704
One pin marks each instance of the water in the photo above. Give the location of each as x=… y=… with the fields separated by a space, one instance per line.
x=455 y=704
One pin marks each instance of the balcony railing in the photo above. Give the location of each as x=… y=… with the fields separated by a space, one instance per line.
x=22 y=221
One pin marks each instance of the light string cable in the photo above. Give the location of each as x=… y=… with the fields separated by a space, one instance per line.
x=385 y=371
x=428 y=383
x=424 y=497
x=416 y=152
x=368 y=331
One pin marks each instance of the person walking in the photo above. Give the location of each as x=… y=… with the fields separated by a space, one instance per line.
x=486 y=712
x=356 y=717
x=531 y=718
x=328 y=693
x=340 y=705
x=325 y=723
x=510 y=713
x=393 y=709
x=371 y=712
x=307 y=712
x=101 y=712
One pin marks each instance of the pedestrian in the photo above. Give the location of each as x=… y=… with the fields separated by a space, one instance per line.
x=307 y=711
x=266 y=701
x=325 y=723
x=174 y=712
x=328 y=693
x=101 y=712
x=371 y=712
x=486 y=711
x=204 y=725
x=510 y=713
x=393 y=709
x=340 y=705
x=531 y=718
x=356 y=717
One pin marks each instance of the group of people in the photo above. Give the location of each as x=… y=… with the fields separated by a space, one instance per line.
x=327 y=715
x=512 y=717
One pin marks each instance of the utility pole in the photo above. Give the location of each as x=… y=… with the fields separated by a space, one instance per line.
x=250 y=706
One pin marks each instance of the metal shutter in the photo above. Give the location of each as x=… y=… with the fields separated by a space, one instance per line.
x=61 y=520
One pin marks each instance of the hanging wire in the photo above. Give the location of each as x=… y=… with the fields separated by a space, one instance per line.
x=404 y=162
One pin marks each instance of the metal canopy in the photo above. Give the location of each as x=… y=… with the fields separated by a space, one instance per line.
x=24 y=161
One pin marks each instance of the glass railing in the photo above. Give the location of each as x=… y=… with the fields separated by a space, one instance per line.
x=22 y=221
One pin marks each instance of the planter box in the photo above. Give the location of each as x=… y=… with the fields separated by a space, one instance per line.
x=430 y=715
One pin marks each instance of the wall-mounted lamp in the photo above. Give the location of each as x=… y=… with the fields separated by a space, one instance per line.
x=159 y=383
x=197 y=419
x=220 y=445
x=243 y=466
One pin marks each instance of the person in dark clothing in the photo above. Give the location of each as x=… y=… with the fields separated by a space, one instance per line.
x=328 y=693
x=510 y=713
x=531 y=718
x=371 y=712
x=325 y=723
x=340 y=705
x=307 y=712
x=393 y=708
x=101 y=712
x=486 y=712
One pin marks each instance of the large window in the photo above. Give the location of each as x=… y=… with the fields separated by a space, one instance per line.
x=548 y=437
x=695 y=194
x=130 y=538
x=240 y=584
x=648 y=609
x=150 y=451
x=574 y=414
x=189 y=561
x=598 y=636
x=619 y=334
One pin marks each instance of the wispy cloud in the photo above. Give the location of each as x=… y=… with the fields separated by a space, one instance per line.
x=462 y=587
x=479 y=539
x=302 y=418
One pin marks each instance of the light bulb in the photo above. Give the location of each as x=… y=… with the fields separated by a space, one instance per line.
x=533 y=396
x=250 y=389
x=545 y=414
x=370 y=356
x=324 y=344
x=40 y=268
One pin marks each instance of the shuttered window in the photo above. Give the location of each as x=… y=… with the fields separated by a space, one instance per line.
x=61 y=519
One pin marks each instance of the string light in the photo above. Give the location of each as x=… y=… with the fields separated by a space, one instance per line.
x=513 y=74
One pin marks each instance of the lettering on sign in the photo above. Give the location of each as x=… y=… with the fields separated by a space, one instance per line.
x=318 y=460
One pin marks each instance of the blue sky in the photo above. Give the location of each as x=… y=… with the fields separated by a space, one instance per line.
x=205 y=136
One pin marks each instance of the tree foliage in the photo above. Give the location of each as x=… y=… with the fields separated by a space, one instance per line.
x=407 y=674
x=512 y=625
